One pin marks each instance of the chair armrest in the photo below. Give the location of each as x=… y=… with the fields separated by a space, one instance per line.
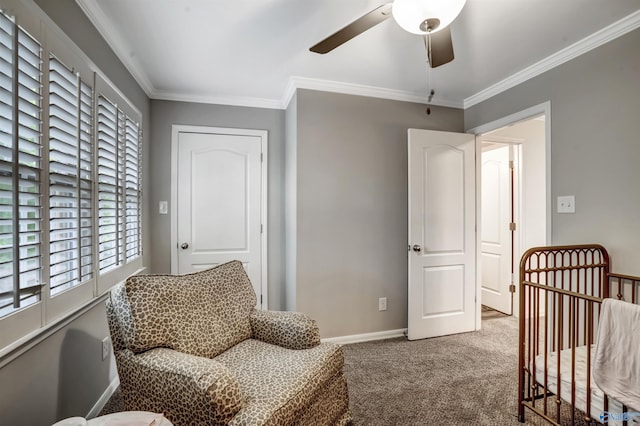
x=184 y=387
x=292 y=330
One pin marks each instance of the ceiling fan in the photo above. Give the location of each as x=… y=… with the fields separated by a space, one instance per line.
x=430 y=18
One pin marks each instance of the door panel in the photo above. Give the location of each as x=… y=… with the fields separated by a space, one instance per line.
x=443 y=202
x=443 y=290
x=222 y=227
x=442 y=214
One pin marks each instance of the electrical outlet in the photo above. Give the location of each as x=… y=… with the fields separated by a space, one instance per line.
x=106 y=347
x=382 y=304
x=566 y=204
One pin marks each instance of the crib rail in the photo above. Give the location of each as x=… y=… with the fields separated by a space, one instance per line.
x=624 y=287
x=561 y=289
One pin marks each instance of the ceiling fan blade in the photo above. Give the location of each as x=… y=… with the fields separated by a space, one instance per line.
x=439 y=47
x=358 y=26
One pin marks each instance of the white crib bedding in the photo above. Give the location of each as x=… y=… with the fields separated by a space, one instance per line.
x=597 y=404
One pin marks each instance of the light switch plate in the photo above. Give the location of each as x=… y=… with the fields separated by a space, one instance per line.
x=566 y=204
x=382 y=304
x=163 y=207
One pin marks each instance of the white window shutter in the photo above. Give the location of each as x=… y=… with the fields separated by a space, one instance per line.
x=70 y=178
x=20 y=168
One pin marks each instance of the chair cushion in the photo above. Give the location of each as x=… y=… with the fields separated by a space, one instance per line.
x=279 y=384
x=202 y=313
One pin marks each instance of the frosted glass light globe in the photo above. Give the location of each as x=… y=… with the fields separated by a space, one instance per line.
x=410 y=14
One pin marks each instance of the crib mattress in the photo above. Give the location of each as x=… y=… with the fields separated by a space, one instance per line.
x=597 y=402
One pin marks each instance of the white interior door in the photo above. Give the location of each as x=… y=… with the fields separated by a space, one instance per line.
x=220 y=201
x=496 y=237
x=442 y=237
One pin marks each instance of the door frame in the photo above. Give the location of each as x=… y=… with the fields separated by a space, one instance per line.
x=526 y=114
x=176 y=129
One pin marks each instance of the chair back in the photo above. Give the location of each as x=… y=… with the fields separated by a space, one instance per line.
x=203 y=313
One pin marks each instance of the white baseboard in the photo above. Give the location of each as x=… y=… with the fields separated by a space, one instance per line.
x=367 y=337
x=99 y=405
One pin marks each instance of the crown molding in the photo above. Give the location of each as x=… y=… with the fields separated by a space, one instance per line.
x=289 y=92
x=605 y=35
x=97 y=17
x=296 y=83
x=220 y=100
x=118 y=45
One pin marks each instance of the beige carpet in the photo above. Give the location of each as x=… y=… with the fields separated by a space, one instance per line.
x=463 y=379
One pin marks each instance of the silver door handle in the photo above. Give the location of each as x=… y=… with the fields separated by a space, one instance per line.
x=184 y=246
x=417 y=248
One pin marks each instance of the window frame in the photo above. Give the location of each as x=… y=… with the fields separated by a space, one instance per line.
x=59 y=304
x=26 y=327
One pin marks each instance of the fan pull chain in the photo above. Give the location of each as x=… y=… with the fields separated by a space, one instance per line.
x=430 y=91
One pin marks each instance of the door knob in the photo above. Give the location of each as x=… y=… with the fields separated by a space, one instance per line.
x=417 y=248
x=184 y=246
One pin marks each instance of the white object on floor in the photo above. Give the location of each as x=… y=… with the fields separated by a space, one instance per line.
x=72 y=421
x=616 y=367
x=130 y=418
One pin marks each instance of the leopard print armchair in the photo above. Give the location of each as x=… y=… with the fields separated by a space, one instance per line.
x=194 y=348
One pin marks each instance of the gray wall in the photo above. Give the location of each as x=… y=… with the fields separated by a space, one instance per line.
x=61 y=377
x=166 y=113
x=595 y=149
x=64 y=375
x=351 y=208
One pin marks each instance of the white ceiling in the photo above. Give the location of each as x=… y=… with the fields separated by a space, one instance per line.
x=254 y=52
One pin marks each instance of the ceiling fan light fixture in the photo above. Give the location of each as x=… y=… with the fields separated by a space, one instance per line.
x=411 y=15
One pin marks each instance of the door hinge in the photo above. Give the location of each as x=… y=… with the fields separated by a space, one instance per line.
x=261 y=157
x=512 y=226
x=260 y=300
x=511 y=166
x=261 y=228
x=512 y=288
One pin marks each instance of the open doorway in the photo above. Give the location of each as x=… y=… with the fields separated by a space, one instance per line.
x=513 y=206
